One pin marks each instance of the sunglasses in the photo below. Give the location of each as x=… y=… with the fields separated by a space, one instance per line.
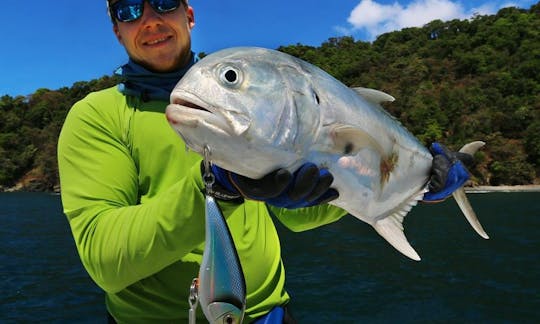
x=131 y=10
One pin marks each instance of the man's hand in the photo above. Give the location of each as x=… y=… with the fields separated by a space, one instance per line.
x=448 y=172
x=307 y=186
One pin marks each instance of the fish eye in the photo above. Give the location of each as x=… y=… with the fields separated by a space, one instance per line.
x=230 y=76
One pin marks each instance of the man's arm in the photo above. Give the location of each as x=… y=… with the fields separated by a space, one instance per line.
x=303 y=219
x=120 y=241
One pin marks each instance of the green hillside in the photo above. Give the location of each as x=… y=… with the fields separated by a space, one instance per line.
x=454 y=82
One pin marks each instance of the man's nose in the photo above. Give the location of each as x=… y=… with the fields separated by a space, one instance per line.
x=150 y=16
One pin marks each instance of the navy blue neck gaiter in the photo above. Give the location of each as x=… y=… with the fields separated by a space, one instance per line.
x=139 y=82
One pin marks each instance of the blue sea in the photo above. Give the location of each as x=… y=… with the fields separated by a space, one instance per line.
x=340 y=273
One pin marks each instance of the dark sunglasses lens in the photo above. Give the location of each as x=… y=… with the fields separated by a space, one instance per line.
x=164 y=5
x=126 y=11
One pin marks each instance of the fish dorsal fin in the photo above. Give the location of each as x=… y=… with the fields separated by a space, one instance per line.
x=349 y=140
x=391 y=228
x=373 y=96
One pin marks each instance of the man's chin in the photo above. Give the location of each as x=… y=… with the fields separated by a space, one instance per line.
x=164 y=65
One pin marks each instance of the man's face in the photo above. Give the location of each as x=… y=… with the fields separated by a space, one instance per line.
x=159 y=42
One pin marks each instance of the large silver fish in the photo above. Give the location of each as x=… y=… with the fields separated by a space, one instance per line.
x=259 y=109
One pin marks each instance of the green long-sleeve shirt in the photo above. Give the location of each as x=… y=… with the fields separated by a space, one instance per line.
x=133 y=196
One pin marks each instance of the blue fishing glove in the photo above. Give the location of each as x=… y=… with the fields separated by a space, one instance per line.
x=308 y=186
x=448 y=172
x=275 y=316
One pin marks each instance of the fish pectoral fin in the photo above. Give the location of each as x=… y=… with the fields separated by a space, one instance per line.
x=349 y=140
x=391 y=228
x=373 y=96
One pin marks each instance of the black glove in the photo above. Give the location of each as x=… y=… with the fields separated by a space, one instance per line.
x=308 y=186
x=448 y=172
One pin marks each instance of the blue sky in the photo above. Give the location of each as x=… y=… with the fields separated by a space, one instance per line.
x=51 y=44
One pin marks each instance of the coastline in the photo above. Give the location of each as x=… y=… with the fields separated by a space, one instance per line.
x=518 y=188
x=475 y=189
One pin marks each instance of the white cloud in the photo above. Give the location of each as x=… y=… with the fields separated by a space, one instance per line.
x=369 y=14
x=377 y=18
x=374 y=18
x=421 y=12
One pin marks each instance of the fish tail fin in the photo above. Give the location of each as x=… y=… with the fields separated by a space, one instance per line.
x=461 y=198
x=472 y=147
x=466 y=208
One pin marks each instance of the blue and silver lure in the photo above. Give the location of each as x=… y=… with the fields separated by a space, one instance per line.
x=220 y=288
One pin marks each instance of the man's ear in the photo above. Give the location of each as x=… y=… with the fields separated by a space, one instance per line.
x=117 y=33
x=191 y=17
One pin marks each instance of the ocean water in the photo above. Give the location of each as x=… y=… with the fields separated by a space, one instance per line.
x=340 y=273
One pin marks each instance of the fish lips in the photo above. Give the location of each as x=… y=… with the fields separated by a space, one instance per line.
x=190 y=111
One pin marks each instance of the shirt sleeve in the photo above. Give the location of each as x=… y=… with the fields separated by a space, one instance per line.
x=303 y=219
x=119 y=240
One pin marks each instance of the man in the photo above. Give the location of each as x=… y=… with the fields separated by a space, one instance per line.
x=134 y=197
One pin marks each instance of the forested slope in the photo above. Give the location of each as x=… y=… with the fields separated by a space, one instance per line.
x=454 y=82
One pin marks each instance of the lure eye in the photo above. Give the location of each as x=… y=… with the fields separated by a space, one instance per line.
x=230 y=76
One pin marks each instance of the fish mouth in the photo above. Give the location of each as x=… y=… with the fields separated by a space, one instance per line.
x=191 y=111
x=188 y=104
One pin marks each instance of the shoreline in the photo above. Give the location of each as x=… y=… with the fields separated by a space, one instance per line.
x=518 y=188
x=475 y=189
